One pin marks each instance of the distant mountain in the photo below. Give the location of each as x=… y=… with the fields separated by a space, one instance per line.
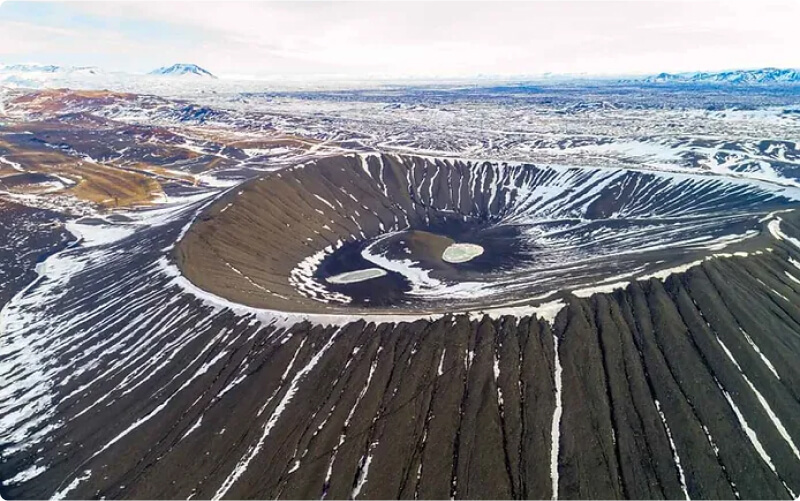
x=759 y=76
x=41 y=75
x=49 y=69
x=180 y=70
x=178 y=77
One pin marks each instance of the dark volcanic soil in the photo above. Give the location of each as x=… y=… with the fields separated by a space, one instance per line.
x=124 y=385
x=419 y=403
x=27 y=236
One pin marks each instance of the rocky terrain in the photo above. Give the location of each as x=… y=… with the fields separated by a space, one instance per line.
x=629 y=330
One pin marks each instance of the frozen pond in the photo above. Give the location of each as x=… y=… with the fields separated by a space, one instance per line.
x=461 y=253
x=352 y=277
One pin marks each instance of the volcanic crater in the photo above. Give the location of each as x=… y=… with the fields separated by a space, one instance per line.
x=388 y=233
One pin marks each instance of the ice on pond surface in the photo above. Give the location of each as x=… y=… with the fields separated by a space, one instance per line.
x=352 y=277
x=461 y=253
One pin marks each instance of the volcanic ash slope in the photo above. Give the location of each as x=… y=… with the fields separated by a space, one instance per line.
x=122 y=379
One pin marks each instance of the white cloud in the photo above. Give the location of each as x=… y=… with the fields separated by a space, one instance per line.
x=443 y=38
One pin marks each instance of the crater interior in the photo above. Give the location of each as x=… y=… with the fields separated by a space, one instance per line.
x=376 y=232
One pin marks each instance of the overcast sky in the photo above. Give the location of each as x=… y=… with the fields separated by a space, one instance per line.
x=405 y=39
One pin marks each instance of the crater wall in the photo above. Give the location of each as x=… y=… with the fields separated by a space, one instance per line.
x=277 y=241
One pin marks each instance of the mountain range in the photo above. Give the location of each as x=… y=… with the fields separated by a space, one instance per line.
x=757 y=76
x=48 y=76
x=49 y=68
x=38 y=75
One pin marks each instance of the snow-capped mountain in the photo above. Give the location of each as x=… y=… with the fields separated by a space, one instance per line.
x=759 y=76
x=49 y=69
x=181 y=69
x=43 y=75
